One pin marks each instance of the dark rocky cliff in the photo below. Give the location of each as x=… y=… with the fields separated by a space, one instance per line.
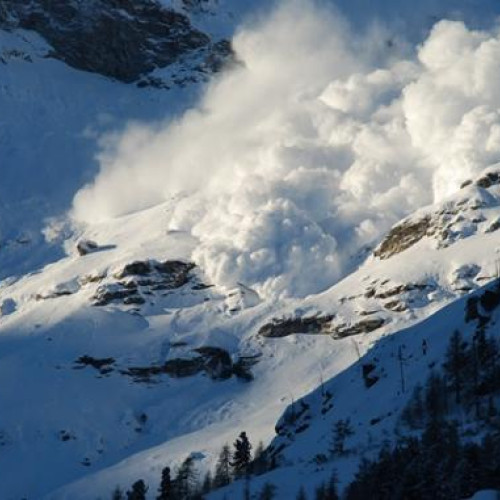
x=121 y=39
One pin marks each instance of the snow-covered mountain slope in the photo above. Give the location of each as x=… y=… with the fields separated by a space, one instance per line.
x=371 y=395
x=54 y=315
x=155 y=360
x=53 y=115
x=224 y=262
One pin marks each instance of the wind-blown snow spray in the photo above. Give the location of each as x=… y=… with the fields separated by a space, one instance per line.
x=313 y=146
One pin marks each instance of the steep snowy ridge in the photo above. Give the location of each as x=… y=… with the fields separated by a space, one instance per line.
x=379 y=402
x=472 y=210
x=371 y=394
x=388 y=290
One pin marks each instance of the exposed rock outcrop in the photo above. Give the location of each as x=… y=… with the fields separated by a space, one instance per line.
x=102 y=365
x=363 y=326
x=319 y=325
x=171 y=273
x=122 y=39
x=278 y=328
x=488 y=179
x=462 y=216
x=106 y=294
x=215 y=362
x=402 y=237
x=141 y=278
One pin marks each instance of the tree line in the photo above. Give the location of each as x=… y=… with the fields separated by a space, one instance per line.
x=438 y=463
x=185 y=484
x=435 y=462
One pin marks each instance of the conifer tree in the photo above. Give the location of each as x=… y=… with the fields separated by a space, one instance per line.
x=117 y=494
x=320 y=492
x=331 y=488
x=138 y=491
x=223 y=475
x=468 y=471
x=413 y=414
x=165 y=489
x=456 y=362
x=242 y=455
x=185 y=484
x=435 y=397
x=490 y=460
x=488 y=360
x=342 y=429
x=436 y=466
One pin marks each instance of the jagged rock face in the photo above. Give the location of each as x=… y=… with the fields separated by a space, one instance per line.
x=402 y=237
x=215 y=362
x=141 y=278
x=475 y=209
x=122 y=39
x=363 y=326
x=487 y=180
x=279 y=328
x=318 y=325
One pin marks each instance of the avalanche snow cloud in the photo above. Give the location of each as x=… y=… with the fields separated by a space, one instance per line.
x=311 y=147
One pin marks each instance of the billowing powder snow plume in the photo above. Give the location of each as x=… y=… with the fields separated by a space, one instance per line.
x=311 y=147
